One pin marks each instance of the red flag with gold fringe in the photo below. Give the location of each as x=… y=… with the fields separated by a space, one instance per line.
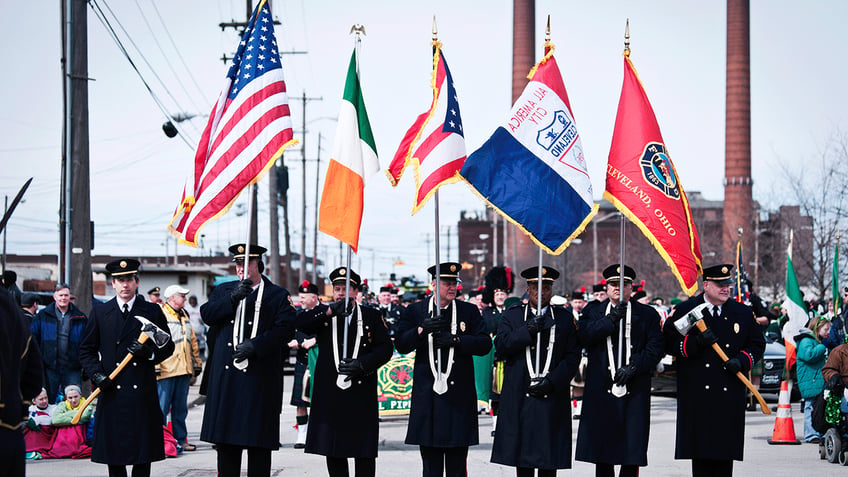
x=643 y=184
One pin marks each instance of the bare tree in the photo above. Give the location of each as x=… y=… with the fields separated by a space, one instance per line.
x=820 y=188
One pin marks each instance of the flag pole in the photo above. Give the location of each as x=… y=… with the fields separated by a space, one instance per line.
x=437 y=312
x=539 y=311
x=250 y=191
x=358 y=30
x=346 y=299
x=621 y=287
x=739 y=265
x=437 y=292
x=621 y=244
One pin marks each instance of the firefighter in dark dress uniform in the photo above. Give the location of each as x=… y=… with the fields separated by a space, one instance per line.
x=711 y=400
x=443 y=414
x=624 y=342
x=535 y=417
x=128 y=427
x=303 y=343
x=245 y=389
x=499 y=282
x=389 y=311
x=344 y=421
x=20 y=381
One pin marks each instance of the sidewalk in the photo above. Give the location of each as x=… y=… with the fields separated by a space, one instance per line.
x=398 y=459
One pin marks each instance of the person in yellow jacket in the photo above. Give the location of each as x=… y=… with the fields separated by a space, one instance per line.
x=175 y=374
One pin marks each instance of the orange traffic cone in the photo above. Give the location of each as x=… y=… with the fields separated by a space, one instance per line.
x=784 y=428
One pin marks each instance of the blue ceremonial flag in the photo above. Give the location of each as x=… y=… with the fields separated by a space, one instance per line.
x=532 y=169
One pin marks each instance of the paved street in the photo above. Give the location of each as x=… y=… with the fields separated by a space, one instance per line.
x=398 y=459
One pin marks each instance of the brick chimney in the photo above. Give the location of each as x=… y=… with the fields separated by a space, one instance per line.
x=524 y=56
x=738 y=199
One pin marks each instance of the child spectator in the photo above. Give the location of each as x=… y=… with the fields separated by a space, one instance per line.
x=41 y=411
x=67 y=409
x=812 y=355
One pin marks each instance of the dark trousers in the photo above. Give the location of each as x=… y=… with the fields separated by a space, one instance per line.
x=451 y=460
x=229 y=461
x=138 y=470
x=362 y=467
x=12 y=452
x=608 y=470
x=529 y=472
x=712 y=468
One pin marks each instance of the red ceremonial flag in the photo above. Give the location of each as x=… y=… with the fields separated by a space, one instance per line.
x=248 y=130
x=441 y=154
x=643 y=184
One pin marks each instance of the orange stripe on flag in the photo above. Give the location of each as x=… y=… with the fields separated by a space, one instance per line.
x=342 y=204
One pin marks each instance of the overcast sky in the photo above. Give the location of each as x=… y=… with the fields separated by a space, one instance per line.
x=798 y=101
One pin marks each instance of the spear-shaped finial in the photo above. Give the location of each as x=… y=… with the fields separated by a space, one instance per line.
x=358 y=29
x=435 y=30
x=548 y=31
x=627 y=38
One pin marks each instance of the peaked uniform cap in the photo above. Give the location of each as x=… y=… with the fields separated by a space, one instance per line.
x=447 y=271
x=532 y=274
x=613 y=272
x=339 y=276
x=122 y=267
x=721 y=274
x=238 y=250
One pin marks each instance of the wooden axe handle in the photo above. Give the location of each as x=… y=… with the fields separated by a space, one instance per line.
x=720 y=352
x=114 y=374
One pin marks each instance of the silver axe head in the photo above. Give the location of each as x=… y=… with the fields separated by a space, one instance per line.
x=160 y=337
x=687 y=321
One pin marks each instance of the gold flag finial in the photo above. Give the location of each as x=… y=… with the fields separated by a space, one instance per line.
x=627 y=38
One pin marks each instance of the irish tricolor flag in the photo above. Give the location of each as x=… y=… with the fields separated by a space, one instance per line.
x=354 y=159
x=796 y=310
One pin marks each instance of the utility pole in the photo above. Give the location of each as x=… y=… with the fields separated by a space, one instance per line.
x=303 y=216
x=315 y=234
x=273 y=217
x=77 y=205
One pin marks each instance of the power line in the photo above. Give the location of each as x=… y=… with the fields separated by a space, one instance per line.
x=111 y=31
x=180 y=56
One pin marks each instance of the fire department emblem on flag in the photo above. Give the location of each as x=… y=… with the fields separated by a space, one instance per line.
x=658 y=171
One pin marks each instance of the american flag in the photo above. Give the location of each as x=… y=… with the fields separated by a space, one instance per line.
x=441 y=154
x=248 y=129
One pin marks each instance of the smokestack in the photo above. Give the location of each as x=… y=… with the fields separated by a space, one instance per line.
x=738 y=198
x=523 y=33
x=519 y=250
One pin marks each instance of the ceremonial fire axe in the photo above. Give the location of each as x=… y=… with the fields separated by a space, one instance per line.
x=695 y=318
x=148 y=331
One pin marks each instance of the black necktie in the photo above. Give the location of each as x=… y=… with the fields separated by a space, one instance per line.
x=126 y=310
x=715 y=312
